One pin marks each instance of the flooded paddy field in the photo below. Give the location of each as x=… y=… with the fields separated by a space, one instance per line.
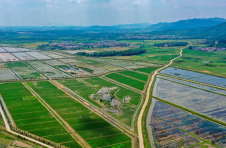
x=195 y=76
x=2 y=50
x=7 y=57
x=5 y=73
x=23 y=49
x=93 y=129
x=126 y=80
x=66 y=68
x=173 y=127
x=38 y=55
x=29 y=115
x=23 y=56
x=121 y=63
x=136 y=75
x=11 y=49
x=206 y=103
x=100 y=64
x=47 y=70
x=208 y=88
x=23 y=71
x=52 y=54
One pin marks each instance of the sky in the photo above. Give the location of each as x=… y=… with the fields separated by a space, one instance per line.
x=105 y=12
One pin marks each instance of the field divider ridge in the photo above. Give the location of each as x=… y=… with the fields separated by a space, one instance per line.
x=65 y=125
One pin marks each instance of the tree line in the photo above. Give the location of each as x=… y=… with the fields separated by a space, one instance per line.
x=171 y=44
x=128 y=52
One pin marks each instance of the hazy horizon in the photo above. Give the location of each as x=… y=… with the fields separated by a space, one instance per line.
x=105 y=12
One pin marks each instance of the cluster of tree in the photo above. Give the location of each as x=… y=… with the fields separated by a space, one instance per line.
x=128 y=52
x=171 y=44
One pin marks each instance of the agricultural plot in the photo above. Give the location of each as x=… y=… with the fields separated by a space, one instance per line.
x=23 y=49
x=11 y=49
x=7 y=57
x=84 y=66
x=126 y=111
x=147 y=70
x=191 y=98
x=52 y=54
x=174 y=127
x=23 y=56
x=136 y=75
x=208 y=88
x=47 y=70
x=23 y=71
x=120 y=63
x=2 y=50
x=93 y=129
x=66 y=68
x=38 y=55
x=29 y=114
x=5 y=73
x=125 y=80
x=195 y=76
x=100 y=64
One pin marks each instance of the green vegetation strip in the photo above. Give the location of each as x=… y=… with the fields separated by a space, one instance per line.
x=136 y=75
x=193 y=112
x=79 y=117
x=147 y=70
x=28 y=118
x=128 y=81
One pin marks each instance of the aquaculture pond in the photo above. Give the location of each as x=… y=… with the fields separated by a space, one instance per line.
x=206 y=103
x=195 y=76
x=208 y=88
x=173 y=127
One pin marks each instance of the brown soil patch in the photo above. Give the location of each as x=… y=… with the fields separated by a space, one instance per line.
x=154 y=55
x=205 y=71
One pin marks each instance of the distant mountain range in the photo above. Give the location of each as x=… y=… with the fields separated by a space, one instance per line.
x=185 y=24
x=211 y=31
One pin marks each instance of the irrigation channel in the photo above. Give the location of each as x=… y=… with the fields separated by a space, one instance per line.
x=139 y=121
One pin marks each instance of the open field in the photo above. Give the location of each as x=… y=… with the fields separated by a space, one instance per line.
x=195 y=76
x=147 y=70
x=121 y=63
x=29 y=114
x=5 y=73
x=47 y=70
x=24 y=71
x=173 y=133
x=99 y=64
x=23 y=49
x=136 y=75
x=38 y=55
x=125 y=80
x=52 y=54
x=66 y=68
x=208 y=88
x=7 y=57
x=23 y=56
x=96 y=131
x=2 y=50
x=86 y=91
x=193 y=60
x=11 y=49
x=191 y=98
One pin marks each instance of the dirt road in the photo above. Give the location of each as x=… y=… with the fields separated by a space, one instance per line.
x=139 y=122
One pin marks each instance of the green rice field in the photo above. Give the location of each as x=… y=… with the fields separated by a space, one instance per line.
x=24 y=71
x=136 y=75
x=29 y=115
x=147 y=70
x=125 y=80
x=92 y=128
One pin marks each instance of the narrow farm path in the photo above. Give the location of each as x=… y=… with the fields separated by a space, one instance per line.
x=139 y=122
